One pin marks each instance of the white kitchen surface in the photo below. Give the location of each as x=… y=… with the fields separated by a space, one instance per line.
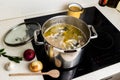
x=19 y=8
x=14 y=12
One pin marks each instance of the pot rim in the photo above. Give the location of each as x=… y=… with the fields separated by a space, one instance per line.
x=88 y=40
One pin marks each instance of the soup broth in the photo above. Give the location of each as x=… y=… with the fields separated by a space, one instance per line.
x=75 y=8
x=64 y=36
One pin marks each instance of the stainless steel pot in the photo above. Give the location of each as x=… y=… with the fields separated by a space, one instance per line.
x=65 y=58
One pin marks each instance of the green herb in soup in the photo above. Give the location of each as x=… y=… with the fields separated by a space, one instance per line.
x=64 y=36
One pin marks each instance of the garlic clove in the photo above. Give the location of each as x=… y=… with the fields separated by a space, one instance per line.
x=9 y=66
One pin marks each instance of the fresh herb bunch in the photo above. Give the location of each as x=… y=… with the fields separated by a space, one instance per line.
x=12 y=58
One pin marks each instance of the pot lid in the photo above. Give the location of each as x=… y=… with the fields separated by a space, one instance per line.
x=21 y=34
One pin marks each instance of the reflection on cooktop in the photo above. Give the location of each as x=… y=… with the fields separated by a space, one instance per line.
x=105 y=38
x=99 y=53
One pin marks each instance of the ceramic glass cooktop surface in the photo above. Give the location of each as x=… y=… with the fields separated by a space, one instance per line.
x=99 y=53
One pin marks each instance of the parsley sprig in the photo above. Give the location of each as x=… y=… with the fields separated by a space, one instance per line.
x=12 y=58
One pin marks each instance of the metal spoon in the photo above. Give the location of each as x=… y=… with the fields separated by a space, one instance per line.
x=53 y=73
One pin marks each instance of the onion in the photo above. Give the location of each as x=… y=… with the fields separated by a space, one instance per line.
x=36 y=66
x=29 y=54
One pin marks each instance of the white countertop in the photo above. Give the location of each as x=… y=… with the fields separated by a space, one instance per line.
x=112 y=14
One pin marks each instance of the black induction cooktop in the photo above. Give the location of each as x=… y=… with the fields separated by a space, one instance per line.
x=99 y=53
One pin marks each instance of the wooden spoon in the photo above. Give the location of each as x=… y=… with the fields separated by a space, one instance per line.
x=53 y=73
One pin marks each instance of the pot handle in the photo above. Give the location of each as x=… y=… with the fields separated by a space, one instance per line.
x=93 y=32
x=36 y=32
